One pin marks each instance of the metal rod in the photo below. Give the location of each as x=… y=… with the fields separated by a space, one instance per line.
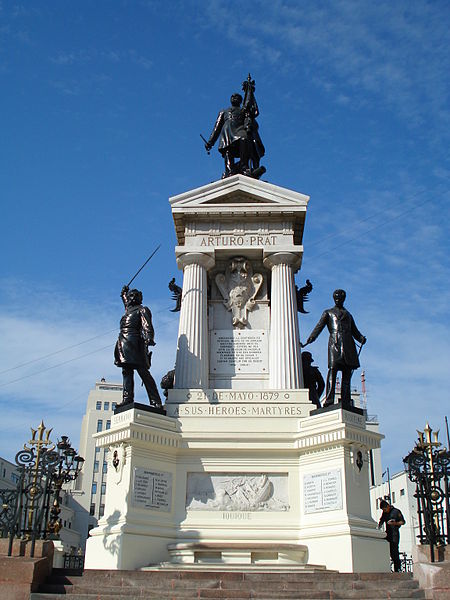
x=206 y=141
x=389 y=484
x=136 y=274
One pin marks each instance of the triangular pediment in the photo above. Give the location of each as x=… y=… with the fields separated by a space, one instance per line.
x=238 y=190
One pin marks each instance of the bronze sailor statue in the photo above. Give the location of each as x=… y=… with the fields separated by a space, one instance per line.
x=131 y=351
x=237 y=130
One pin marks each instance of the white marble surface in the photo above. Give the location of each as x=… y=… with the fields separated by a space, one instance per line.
x=322 y=491
x=152 y=489
x=239 y=351
x=237 y=491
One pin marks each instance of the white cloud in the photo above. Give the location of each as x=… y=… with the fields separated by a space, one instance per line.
x=395 y=53
x=55 y=388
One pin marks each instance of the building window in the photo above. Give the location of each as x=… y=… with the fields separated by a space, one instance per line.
x=92 y=509
x=95 y=466
x=97 y=450
x=393 y=496
x=94 y=488
x=14 y=478
x=105 y=466
x=4 y=472
x=99 y=425
x=70 y=524
x=103 y=488
x=101 y=512
x=98 y=406
x=113 y=406
x=108 y=424
x=402 y=492
x=106 y=406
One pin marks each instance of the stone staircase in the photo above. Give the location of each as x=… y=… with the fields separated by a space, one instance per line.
x=230 y=585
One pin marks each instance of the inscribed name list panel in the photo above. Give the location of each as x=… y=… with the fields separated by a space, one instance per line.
x=322 y=491
x=152 y=489
x=235 y=352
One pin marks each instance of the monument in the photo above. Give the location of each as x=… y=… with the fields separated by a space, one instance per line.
x=342 y=354
x=243 y=470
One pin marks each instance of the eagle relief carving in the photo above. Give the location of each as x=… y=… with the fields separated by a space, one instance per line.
x=239 y=287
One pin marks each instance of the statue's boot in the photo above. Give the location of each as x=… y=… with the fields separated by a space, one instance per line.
x=346 y=396
x=331 y=386
x=150 y=387
x=128 y=386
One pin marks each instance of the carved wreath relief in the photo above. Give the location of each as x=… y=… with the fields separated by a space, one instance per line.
x=239 y=288
x=227 y=491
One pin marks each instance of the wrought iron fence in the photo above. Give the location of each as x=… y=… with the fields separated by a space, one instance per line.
x=74 y=561
x=31 y=511
x=428 y=466
x=406 y=563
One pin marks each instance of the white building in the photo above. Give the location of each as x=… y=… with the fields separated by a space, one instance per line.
x=88 y=493
x=9 y=474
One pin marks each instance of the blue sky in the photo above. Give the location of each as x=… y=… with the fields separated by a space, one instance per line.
x=101 y=108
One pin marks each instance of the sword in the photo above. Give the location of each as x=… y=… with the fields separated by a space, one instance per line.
x=137 y=273
x=206 y=141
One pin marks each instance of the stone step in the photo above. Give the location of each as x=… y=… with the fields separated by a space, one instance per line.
x=222 y=594
x=226 y=583
x=229 y=585
x=99 y=576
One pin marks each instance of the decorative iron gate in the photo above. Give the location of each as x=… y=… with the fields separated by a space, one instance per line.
x=428 y=466
x=31 y=511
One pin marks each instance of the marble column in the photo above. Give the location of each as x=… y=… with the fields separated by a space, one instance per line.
x=284 y=353
x=192 y=364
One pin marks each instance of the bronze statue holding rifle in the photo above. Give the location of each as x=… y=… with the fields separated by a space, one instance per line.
x=236 y=129
x=342 y=355
x=131 y=351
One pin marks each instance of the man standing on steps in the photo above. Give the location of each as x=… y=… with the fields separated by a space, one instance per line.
x=394 y=520
x=342 y=355
x=131 y=351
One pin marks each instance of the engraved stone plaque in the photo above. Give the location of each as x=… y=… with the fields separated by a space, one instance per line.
x=237 y=491
x=322 y=491
x=152 y=489
x=243 y=351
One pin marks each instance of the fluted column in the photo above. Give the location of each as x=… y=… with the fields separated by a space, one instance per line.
x=284 y=353
x=192 y=364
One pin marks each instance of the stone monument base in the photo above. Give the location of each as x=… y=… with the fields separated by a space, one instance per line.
x=238 y=477
x=238 y=553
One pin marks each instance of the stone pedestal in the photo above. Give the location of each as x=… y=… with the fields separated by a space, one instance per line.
x=238 y=469
x=20 y=574
x=238 y=464
x=433 y=577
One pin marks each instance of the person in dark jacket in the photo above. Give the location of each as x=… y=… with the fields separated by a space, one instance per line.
x=131 y=351
x=342 y=355
x=393 y=519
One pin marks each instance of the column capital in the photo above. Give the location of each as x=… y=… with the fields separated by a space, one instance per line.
x=203 y=259
x=282 y=258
